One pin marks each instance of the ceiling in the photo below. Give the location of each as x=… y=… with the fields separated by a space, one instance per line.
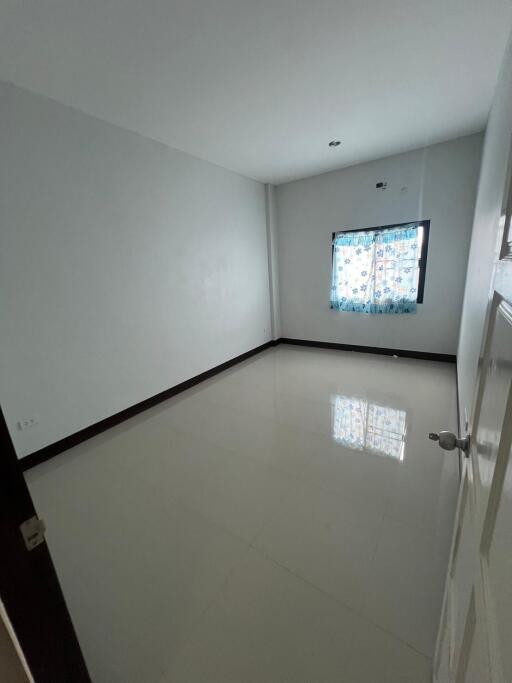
x=262 y=86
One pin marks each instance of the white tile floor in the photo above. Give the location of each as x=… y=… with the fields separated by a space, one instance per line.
x=286 y=521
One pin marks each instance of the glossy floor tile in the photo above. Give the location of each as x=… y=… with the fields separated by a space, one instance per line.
x=267 y=625
x=287 y=520
x=327 y=541
x=406 y=584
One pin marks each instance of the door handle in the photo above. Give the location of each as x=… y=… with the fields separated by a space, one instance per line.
x=449 y=441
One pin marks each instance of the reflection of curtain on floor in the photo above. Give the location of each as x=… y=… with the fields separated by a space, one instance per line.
x=360 y=425
x=377 y=271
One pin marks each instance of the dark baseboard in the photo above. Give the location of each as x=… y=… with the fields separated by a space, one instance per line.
x=422 y=355
x=37 y=457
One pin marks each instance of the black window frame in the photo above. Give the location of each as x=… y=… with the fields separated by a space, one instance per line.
x=422 y=261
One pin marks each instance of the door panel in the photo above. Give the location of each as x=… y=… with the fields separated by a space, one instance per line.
x=474 y=641
x=494 y=397
x=442 y=671
x=473 y=665
x=497 y=562
x=462 y=576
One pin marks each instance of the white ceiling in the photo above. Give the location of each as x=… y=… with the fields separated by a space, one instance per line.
x=261 y=86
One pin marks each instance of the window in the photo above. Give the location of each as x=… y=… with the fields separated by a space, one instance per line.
x=380 y=270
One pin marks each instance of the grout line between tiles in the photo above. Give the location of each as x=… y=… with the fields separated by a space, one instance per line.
x=213 y=599
x=338 y=601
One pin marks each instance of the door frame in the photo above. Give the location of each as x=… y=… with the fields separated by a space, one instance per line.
x=29 y=586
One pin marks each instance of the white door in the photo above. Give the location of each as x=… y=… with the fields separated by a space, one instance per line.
x=475 y=635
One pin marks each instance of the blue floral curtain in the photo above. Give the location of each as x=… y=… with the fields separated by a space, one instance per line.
x=376 y=271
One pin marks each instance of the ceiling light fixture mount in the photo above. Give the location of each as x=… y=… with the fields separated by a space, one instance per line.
x=335 y=143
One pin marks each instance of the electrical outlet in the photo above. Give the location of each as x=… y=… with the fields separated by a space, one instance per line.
x=27 y=423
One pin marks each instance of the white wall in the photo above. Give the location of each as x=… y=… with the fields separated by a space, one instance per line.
x=497 y=146
x=126 y=267
x=441 y=183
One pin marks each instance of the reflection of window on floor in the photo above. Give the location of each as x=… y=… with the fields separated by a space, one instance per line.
x=365 y=426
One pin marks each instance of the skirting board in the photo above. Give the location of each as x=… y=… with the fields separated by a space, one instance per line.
x=402 y=353
x=37 y=457
x=67 y=442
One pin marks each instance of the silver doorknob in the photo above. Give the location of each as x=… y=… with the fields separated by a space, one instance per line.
x=449 y=441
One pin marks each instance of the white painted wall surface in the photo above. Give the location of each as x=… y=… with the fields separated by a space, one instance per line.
x=126 y=267
x=491 y=187
x=441 y=185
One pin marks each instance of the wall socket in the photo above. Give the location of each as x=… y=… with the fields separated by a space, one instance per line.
x=26 y=424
